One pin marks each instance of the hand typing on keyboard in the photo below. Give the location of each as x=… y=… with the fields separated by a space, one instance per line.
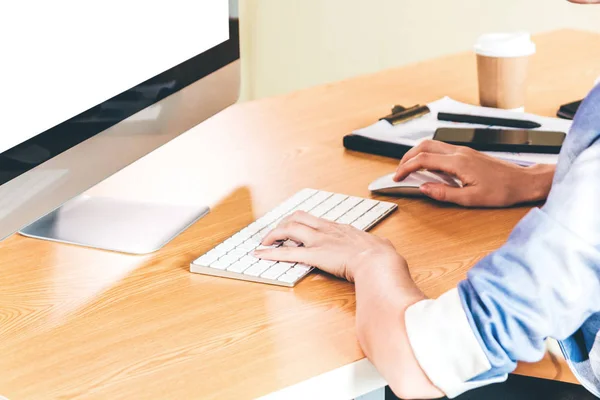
x=335 y=248
x=234 y=258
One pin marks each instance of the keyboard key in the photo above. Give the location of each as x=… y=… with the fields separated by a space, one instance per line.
x=382 y=207
x=328 y=217
x=237 y=252
x=269 y=217
x=276 y=270
x=321 y=196
x=291 y=203
x=361 y=208
x=241 y=265
x=303 y=195
x=208 y=258
x=288 y=264
x=288 y=278
x=223 y=262
x=319 y=210
x=263 y=223
x=304 y=267
x=347 y=218
x=263 y=234
x=353 y=201
x=238 y=238
x=307 y=206
x=268 y=263
x=365 y=205
x=259 y=267
x=327 y=205
x=249 y=245
x=279 y=212
x=333 y=201
x=298 y=270
x=244 y=234
x=362 y=223
x=258 y=238
x=254 y=228
x=348 y=204
x=312 y=202
x=372 y=215
x=218 y=252
x=336 y=212
x=250 y=259
x=353 y=214
x=225 y=246
x=297 y=199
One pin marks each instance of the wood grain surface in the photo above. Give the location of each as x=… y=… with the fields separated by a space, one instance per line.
x=82 y=323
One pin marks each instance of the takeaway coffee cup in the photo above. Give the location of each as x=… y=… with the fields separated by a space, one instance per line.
x=502 y=60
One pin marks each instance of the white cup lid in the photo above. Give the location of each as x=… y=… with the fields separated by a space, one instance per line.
x=516 y=44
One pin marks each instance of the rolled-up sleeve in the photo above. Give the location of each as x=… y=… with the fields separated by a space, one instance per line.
x=446 y=346
x=543 y=282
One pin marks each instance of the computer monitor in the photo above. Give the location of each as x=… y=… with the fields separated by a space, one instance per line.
x=87 y=89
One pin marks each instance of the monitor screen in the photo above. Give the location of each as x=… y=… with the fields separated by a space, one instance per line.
x=63 y=62
x=70 y=57
x=90 y=87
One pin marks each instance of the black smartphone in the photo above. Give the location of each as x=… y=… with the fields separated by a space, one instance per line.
x=507 y=140
x=567 y=111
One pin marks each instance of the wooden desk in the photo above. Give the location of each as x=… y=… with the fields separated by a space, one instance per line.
x=82 y=323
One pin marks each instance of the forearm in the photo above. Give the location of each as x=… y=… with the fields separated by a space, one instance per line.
x=381 y=301
x=538 y=183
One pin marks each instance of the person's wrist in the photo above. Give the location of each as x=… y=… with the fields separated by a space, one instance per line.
x=371 y=262
x=378 y=269
x=538 y=182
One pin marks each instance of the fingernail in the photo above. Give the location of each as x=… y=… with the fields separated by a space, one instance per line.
x=425 y=189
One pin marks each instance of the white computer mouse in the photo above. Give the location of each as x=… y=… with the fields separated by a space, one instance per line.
x=410 y=185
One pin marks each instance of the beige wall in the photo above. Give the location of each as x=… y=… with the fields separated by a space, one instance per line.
x=293 y=44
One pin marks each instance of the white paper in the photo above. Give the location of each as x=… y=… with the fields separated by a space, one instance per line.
x=413 y=132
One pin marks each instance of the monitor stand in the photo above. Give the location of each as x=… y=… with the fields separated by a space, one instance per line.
x=117 y=225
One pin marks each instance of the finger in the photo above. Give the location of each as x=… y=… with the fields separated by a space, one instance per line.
x=448 y=163
x=463 y=196
x=428 y=146
x=304 y=218
x=295 y=231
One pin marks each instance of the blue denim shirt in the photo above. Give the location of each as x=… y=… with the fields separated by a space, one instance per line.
x=545 y=281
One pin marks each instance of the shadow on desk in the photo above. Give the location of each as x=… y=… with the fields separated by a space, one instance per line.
x=519 y=387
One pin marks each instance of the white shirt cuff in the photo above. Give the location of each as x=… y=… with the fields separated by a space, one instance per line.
x=445 y=345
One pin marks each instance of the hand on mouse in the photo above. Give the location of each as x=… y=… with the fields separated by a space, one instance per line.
x=487 y=181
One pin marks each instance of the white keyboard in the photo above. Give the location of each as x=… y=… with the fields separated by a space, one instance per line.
x=233 y=258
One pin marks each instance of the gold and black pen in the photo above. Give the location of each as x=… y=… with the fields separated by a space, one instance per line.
x=405 y=114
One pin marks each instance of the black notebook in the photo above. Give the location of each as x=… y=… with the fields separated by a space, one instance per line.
x=372 y=146
x=388 y=140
